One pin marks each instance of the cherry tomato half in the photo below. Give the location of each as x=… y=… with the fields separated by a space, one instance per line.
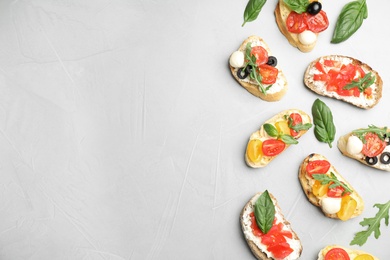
x=373 y=146
x=261 y=55
x=268 y=74
x=336 y=192
x=337 y=254
x=272 y=147
x=317 y=167
x=296 y=119
x=317 y=23
x=296 y=23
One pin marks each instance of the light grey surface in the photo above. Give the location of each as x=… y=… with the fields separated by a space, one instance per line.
x=122 y=132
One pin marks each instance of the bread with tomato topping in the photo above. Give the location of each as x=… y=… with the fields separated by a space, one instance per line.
x=306 y=40
x=255 y=244
x=329 y=76
x=332 y=251
x=263 y=148
x=237 y=60
x=369 y=146
x=333 y=202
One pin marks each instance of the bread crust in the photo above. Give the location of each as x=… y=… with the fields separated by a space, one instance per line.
x=253 y=88
x=259 y=134
x=364 y=103
x=281 y=13
x=248 y=208
x=308 y=190
x=351 y=252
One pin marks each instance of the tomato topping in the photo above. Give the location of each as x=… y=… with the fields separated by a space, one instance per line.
x=268 y=74
x=337 y=192
x=296 y=23
x=273 y=147
x=317 y=23
x=261 y=55
x=348 y=206
x=281 y=250
x=317 y=167
x=296 y=119
x=319 y=67
x=373 y=145
x=337 y=254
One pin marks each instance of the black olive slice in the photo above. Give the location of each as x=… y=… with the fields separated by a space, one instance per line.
x=272 y=61
x=371 y=160
x=314 y=8
x=385 y=158
x=242 y=74
x=387 y=139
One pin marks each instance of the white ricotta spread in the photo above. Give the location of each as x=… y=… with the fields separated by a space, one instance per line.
x=237 y=59
x=307 y=37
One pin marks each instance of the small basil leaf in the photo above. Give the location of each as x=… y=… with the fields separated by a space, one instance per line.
x=271 y=130
x=252 y=10
x=264 y=210
x=299 y=6
x=288 y=139
x=324 y=129
x=349 y=21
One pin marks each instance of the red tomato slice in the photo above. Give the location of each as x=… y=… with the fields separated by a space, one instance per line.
x=337 y=254
x=268 y=74
x=317 y=23
x=296 y=23
x=319 y=66
x=261 y=55
x=336 y=192
x=317 y=167
x=280 y=251
x=321 y=77
x=273 y=147
x=373 y=146
x=273 y=239
x=296 y=119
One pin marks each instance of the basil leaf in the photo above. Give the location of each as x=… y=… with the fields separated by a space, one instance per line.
x=252 y=10
x=324 y=129
x=299 y=6
x=271 y=130
x=264 y=210
x=288 y=139
x=349 y=21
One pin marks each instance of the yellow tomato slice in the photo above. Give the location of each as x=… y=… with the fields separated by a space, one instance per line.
x=254 y=150
x=348 y=206
x=364 y=257
x=282 y=126
x=319 y=190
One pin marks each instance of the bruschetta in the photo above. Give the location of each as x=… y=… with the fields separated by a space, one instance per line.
x=370 y=146
x=344 y=78
x=336 y=252
x=301 y=22
x=267 y=232
x=276 y=135
x=326 y=188
x=255 y=69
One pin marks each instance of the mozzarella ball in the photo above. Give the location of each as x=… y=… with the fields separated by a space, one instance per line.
x=354 y=145
x=331 y=205
x=237 y=59
x=307 y=37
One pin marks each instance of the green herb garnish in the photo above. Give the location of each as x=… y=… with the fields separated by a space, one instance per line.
x=255 y=75
x=299 y=6
x=349 y=21
x=272 y=131
x=373 y=224
x=380 y=132
x=264 y=210
x=332 y=179
x=297 y=127
x=252 y=10
x=324 y=128
x=361 y=83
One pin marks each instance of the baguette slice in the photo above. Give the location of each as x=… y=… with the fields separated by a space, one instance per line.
x=307 y=183
x=258 y=249
x=320 y=87
x=277 y=90
x=262 y=136
x=281 y=13
x=351 y=146
x=352 y=253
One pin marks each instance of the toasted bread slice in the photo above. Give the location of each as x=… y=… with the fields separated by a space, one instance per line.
x=277 y=90
x=260 y=250
x=351 y=146
x=261 y=135
x=308 y=183
x=363 y=100
x=352 y=253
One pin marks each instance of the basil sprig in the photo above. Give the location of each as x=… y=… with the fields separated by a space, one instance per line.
x=299 y=6
x=298 y=127
x=349 y=21
x=324 y=128
x=264 y=210
x=254 y=74
x=272 y=131
x=380 y=132
x=332 y=179
x=362 y=83
x=252 y=10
